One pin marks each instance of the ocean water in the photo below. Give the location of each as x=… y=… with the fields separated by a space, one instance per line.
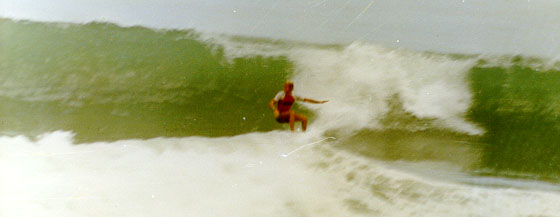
x=98 y=119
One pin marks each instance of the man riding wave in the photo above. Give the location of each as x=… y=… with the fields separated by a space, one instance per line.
x=282 y=103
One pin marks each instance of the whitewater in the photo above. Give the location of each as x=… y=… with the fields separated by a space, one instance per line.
x=244 y=175
x=104 y=120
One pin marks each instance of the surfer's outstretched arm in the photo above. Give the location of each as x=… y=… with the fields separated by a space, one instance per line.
x=314 y=101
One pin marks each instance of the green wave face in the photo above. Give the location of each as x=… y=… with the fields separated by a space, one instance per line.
x=519 y=108
x=105 y=82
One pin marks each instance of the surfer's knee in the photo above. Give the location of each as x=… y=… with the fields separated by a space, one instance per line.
x=301 y=117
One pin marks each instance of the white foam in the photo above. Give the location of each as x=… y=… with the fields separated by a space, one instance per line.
x=244 y=175
x=360 y=80
x=238 y=176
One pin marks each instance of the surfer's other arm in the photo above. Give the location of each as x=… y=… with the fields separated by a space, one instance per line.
x=271 y=104
x=273 y=107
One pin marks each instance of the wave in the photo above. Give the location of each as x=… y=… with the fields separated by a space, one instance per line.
x=133 y=72
x=107 y=83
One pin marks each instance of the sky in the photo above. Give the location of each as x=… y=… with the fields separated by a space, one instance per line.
x=527 y=27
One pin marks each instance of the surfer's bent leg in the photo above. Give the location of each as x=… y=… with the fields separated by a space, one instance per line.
x=303 y=120
x=292 y=119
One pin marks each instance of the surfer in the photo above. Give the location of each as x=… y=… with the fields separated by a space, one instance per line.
x=282 y=103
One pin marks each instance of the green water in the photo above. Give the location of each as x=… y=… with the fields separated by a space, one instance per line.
x=518 y=107
x=105 y=82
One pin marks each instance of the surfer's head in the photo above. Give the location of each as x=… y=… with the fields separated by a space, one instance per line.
x=288 y=86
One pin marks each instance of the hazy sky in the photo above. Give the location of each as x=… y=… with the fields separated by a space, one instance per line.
x=474 y=26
